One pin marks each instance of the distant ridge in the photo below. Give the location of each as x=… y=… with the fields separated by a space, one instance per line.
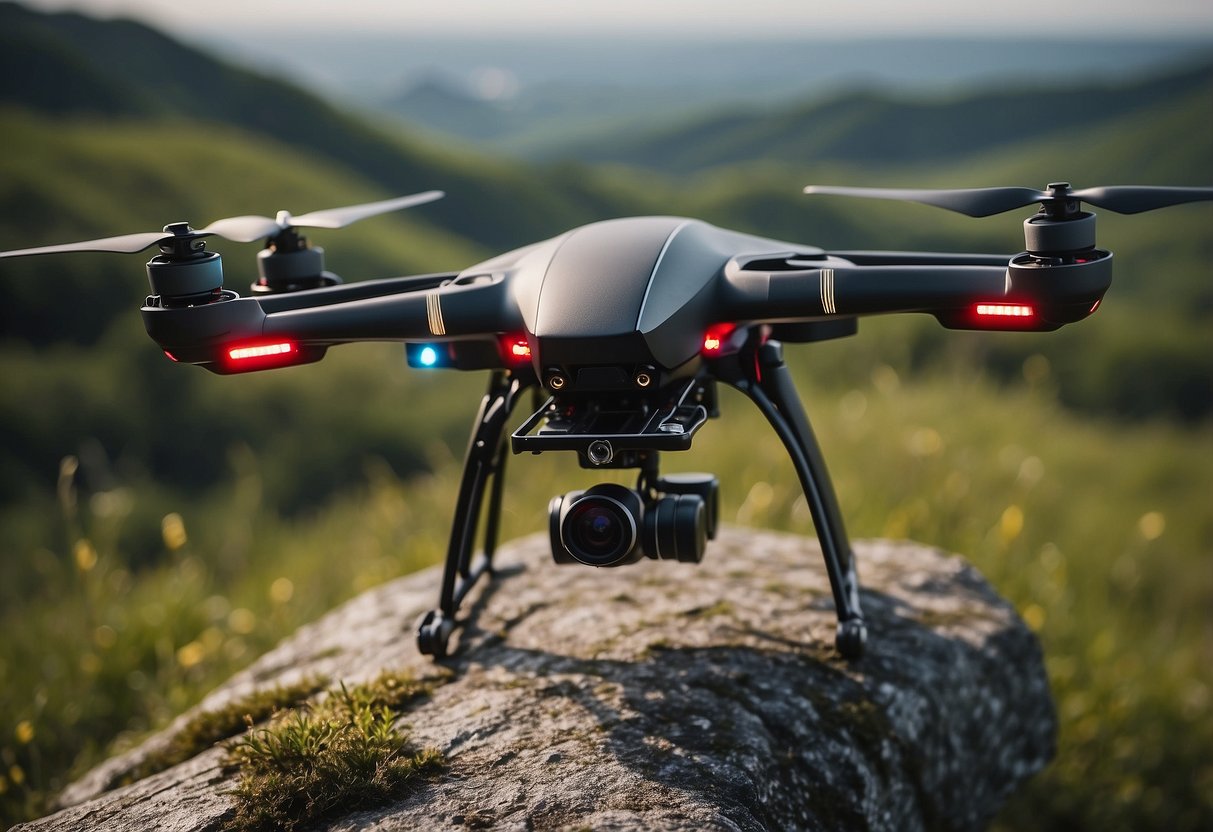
x=440 y=103
x=871 y=127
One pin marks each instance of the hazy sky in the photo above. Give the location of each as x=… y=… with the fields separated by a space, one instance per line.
x=1053 y=18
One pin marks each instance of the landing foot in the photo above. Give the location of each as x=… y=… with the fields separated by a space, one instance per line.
x=850 y=638
x=434 y=633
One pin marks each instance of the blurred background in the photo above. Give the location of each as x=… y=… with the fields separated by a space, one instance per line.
x=160 y=527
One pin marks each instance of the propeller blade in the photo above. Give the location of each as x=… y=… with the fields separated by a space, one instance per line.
x=341 y=217
x=125 y=244
x=1134 y=199
x=244 y=229
x=984 y=202
x=975 y=202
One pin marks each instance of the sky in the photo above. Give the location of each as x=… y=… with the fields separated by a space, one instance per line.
x=749 y=18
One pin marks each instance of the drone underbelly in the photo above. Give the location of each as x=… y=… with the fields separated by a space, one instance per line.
x=595 y=350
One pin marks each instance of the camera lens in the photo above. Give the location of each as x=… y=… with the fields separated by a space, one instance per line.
x=600 y=527
x=675 y=528
x=597 y=529
x=705 y=485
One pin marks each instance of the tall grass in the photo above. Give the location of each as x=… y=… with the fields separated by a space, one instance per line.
x=1100 y=534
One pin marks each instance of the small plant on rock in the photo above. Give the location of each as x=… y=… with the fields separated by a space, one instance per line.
x=341 y=754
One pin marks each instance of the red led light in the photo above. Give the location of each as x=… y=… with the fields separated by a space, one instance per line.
x=171 y=357
x=262 y=354
x=1095 y=305
x=260 y=351
x=1005 y=310
x=516 y=348
x=715 y=338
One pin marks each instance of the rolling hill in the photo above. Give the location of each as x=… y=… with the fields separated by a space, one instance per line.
x=71 y=65
x=874 y=128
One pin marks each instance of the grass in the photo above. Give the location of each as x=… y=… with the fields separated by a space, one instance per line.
x=1099 y=533
x=103 y=651
x=206 y=728
x=339 y=755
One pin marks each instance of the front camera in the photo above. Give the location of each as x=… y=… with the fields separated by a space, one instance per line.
x=610 y=525
x=598 y=527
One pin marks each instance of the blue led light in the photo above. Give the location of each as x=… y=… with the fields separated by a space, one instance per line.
x=428 y=356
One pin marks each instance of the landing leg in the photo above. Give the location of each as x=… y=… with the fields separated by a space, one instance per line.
x=765 y=379
x=484 y=464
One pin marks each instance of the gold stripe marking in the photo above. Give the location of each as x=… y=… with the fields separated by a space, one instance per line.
x=433 y=310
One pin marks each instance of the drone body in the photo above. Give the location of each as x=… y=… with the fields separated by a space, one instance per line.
x=628 y=325
x=639 y=291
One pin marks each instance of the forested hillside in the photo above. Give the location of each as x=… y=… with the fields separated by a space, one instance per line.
x=70 y=65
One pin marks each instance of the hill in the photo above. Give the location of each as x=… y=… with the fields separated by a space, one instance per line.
x=141 y=145
x=535 y=93
x=96 y=144
x=442 y=104
x=870 y=127
x=71 y=65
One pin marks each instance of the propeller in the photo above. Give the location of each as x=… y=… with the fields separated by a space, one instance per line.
x=244 y=229
x=985 y=202
x=125 y=244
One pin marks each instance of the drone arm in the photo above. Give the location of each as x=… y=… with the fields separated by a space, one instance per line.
x=383 y=318
x=451 y=311
x=920 y=258
x=1026 y=292
x=345 y=292
x=845 y=289
x=261 y=333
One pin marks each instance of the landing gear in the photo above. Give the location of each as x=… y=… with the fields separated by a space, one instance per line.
x=758 y=371
x=483 y=471
x=762 y=375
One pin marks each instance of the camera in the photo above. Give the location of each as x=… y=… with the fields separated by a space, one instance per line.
x=611 y=525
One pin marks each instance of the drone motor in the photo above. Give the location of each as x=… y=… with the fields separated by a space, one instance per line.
x=184 y=273
x=290 y=263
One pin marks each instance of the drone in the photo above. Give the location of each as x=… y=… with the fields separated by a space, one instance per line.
x=623 y=330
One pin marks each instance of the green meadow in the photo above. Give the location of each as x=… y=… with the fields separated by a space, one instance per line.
x=1098 y=532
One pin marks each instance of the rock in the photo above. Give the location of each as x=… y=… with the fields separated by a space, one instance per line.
x=668 y=696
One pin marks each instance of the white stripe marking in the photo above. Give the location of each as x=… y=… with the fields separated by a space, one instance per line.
x=827 y=292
